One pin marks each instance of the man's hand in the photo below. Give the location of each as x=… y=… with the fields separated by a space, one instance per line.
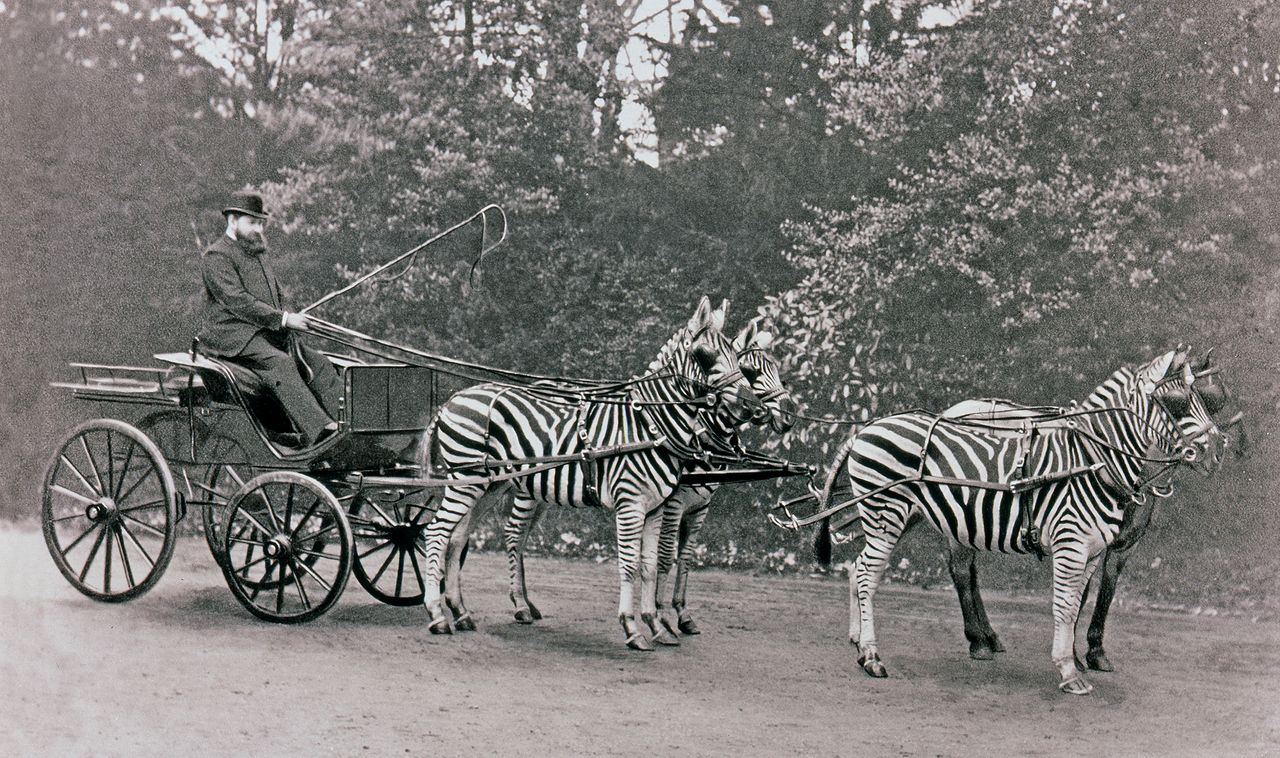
x=298 y=322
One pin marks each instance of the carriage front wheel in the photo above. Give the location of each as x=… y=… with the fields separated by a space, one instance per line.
x=110 y=511
x=286 y=547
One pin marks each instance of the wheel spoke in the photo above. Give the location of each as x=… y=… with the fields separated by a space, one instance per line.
x=72 y=494
x=149 y=505
x=288 y=509
x=77 y=540
x=97 y=475
x=106 y=565
x=323 y=531
x=302 y=591
x=249 y=517
x=400 y=574
x=383 y=568
x=137 y=544
x=266 y=578
x=311 y=511
x=63 y=457
x=374 y=549
x=135 y=486
x=314 y=554
x=124 y=470
x=93 y=552
x=280 y=589
x=271 y=511
x=319 y=579
x=111 y=465
x=158 y=531
x=124 y=557
x=417 y=570
x=385 y=518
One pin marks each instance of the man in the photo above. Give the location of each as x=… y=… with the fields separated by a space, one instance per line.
x=246 y=324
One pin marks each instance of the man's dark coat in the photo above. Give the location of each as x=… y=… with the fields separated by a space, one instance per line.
x=242 y=298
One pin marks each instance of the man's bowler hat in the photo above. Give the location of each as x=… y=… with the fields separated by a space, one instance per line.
x=248 y=204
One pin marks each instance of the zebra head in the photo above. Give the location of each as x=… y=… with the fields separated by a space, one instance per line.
x=761 y=369
x=1180 y=412
x=709 y=364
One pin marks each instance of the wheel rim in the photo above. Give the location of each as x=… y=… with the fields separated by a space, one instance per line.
x=222 y=480
x=109 y=511
x=389 y=547
x=286 y=546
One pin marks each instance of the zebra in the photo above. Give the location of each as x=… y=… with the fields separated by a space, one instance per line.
x=689 y=506
x=1059 y=487
x=653 y=418
x=684 y=512
x=983 y=640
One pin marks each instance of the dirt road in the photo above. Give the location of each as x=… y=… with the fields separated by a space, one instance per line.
x=185 y=671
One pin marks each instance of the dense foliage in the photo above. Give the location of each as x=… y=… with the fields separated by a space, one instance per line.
x=1012 y=204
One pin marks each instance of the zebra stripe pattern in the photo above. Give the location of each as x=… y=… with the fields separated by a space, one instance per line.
x=498 y=422
x=684 y=513
x=983 y=640
x=917 y=464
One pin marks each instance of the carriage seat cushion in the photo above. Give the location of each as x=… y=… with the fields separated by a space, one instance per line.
x=217 y=376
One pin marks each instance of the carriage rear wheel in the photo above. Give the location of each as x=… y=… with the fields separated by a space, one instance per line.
x=286 y=547
x=110 y=510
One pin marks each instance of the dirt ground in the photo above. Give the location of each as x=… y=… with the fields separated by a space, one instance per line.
x=185 y=671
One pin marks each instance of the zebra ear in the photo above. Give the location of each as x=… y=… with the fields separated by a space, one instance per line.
x=747 y=336
x=718 y=315
x=701 y=315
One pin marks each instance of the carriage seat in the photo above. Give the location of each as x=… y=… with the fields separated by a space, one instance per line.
x=214 y=379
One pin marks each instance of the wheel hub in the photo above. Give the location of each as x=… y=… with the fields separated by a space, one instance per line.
x=103 y=510
x=279 y=546
x=403 y=535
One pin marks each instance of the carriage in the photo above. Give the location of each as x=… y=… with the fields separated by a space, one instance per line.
x=287 y=526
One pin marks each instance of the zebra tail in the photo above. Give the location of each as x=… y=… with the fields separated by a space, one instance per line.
x=822 y=542
x=425 y=449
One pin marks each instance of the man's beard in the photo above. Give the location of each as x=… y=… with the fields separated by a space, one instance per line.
x=253 y=243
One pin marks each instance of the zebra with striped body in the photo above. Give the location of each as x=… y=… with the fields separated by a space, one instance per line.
x=497 y=422
x=916 y=463
x=687 y=509
x=983 y=640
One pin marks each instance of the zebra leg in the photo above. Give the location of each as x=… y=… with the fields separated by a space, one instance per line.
x=462 y=620
x=1137 y=519
x=983 y=643
x=1072 y=569
x=690 y=527
x=456 y=503
x=867 y=571
x=523 y=517
x=629 y=522
x=1112 y=566
x=649 y=547
x=677 y=512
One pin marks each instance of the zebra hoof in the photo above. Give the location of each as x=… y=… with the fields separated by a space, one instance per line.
x=981 y=651
x=689 y=626
x=524 y=616
x=872 y=665
x=993 y=642
x=640 y=642
x=440 y=626
x=666 y=638
x=465 y=623
x=1098 y=661
x=1076 y=685
x=534 y=613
